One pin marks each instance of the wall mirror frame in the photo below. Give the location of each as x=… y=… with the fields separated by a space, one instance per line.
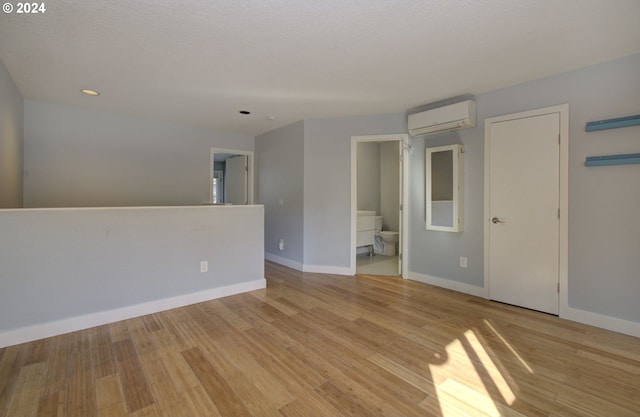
x=444 y=183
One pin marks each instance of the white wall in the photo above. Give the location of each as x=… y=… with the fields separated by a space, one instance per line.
x=378 y=181
x=79 y=157
x=66 y=269
x=368 y=176
x=11 y=141
x=280 y=168
x=389 y=186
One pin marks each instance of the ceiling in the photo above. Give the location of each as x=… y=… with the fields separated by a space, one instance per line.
x=199 y=62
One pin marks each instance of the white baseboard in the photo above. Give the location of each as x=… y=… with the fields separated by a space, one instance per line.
x=324 y=269
x=321 y=269
x=581 y=316
x=54 y=328
x=615 y=324
x=449 y=284
x=283 y=261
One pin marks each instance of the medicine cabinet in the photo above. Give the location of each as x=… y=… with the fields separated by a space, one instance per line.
x=444 y=188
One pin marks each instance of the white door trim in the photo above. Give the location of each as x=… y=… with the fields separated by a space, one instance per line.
x=563 y=248
x=405 y=199
x=250 y=171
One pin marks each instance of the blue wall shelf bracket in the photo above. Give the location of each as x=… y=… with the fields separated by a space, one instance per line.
x=624 y=159
x=613 y=123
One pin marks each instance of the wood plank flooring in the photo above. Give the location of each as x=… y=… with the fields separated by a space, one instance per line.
x=325 y=345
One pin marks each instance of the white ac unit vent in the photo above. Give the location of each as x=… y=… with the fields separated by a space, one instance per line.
x=441 y=119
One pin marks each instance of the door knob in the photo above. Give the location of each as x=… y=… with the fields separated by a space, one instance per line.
x=496 y=220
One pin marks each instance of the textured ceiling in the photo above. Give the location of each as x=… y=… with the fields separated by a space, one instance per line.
x=198 y=62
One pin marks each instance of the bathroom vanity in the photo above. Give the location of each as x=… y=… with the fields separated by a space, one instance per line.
x=365 y=229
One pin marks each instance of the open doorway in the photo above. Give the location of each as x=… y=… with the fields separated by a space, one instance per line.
x=379 y=177
x=231 y=176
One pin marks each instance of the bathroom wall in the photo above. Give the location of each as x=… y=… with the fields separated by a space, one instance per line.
x=378 y=181
x=11 y=141
x=369 y=176
x=219 y=166
x=390 y=185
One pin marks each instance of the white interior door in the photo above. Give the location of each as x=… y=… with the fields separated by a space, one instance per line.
x=524 y=158
x=235 y=184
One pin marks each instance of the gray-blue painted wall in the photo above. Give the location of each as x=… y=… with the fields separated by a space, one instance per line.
x=327 y=182
x=604 y=231
x=280 y=177
x=11 y=141
x=80 y=157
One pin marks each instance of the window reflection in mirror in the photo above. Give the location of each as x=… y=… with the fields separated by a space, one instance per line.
x=218 y=186
x=444 y=188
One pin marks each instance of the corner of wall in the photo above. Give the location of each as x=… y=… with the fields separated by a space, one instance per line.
x=11 y=141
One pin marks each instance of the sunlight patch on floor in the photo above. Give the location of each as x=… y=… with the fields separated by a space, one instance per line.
x=491 y=368
x=457 y=399
x=469 y=381
x=508 y=345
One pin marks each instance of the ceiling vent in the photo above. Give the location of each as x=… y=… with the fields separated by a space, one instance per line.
x=442 y=119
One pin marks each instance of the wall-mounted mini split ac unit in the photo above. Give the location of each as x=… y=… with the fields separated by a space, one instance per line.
x=441 y=119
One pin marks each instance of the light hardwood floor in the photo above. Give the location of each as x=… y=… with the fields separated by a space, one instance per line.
x=324 y=345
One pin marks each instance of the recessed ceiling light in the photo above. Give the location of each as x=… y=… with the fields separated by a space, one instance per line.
x=244 y=112
x=90 y=92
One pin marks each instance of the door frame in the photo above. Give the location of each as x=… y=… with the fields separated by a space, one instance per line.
x=403 y=138
x=563 y=232
x=250 y=171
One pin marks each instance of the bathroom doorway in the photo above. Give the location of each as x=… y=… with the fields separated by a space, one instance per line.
x=379 y=172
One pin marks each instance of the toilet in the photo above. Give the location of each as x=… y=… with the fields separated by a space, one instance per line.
x=385 y=242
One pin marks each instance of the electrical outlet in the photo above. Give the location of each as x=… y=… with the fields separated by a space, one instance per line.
x=204 y=266
x=463 y=262
x=281 y=244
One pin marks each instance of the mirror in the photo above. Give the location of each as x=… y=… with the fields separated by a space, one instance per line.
x=444 y=188
x=231 y=180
